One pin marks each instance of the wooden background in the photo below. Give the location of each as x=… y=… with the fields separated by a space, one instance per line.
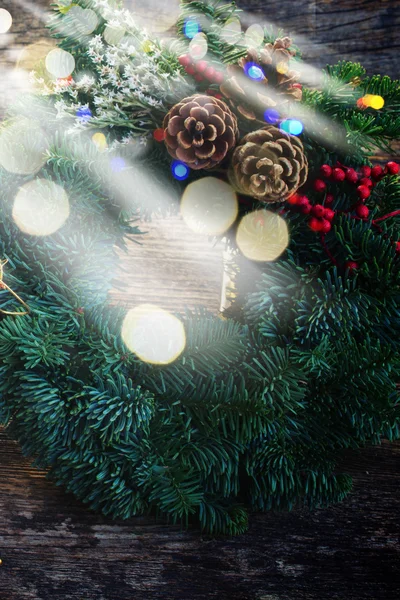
x=52 y=547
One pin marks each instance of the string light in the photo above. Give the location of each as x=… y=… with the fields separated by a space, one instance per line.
x=292 y=126
x=254 y=71
x=191 y=28
x=153 y=334
x=271 y=116
x=100 y=140
x=179 y=170
x=373 y=101
x=84 y=114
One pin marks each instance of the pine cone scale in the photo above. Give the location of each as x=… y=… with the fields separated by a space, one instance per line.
x=200 y=131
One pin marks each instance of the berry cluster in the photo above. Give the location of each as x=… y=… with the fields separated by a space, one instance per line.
x=321 y=216
x=201 y=70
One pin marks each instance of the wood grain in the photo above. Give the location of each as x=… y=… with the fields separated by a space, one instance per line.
x=53 y=548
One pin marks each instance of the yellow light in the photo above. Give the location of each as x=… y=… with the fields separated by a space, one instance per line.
x=100 y=140
x=23 y=146
x=373 y=101
x=282 y=68
x=262 y=235
x=60 y=63
x=41 y=207
x=209 y=206
x=5 y=20
x=153 y=334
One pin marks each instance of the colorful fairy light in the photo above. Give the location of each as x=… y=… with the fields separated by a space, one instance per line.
x=373 y=101
x=84 y=113
x=271 y=116
x=191 y=28
x=292 y=126
x=179 y=170
x=254 y=71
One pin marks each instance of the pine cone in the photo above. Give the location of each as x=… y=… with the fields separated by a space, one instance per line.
x=200 y=131
x=269 y=165
x=276 y=87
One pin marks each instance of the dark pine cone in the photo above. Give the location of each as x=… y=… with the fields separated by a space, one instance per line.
x=200 y=131
x=269 y=165
x=279 y=85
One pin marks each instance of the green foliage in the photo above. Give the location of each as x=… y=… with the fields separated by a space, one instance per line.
x=257 y=410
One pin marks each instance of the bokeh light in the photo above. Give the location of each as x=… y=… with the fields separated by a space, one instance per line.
x=209 y=206
x=262 y=235
x=41 y=207
x=191 y=28
x=179 y=170
x=117 y=164
x=23 y=146
x=292 y=126
x=60 y=63
x=113 y=35
x=198 y=47
x=100 y=140
x=231 y=32
x=85 y=20
x=33 y=58
x=84 y=114
x=153 y=334
x=254 y=35
x=155 y=16
x=5 y=20
x=254 y=71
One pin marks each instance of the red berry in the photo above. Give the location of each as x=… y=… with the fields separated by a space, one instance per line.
x=377 y=173
x=318 y=210
x=190 y=70
x=362 y=211
x=351 y=265
x=326 y=171
x=185 y=60
x=338 y=174
x=326 y=226
x=352 y=175
x=329 y=214
x=199 y=77
x=367 y=182
x=315 y=224
x=80 y=310
x=201 y=66
x=393 y=168
x=218 y=77
x=209 y=73
x=305 y=208
x=398 y=247
x=329 y=199
x=366 y=171
x=319 y=185
x=159 y=134
x=363 y=192
x=294 y=199
x=297 y=85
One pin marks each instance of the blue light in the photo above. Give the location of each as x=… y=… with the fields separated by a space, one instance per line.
x=117 y=164
x=254 y=71
x=179 y=170
x=292 y=126
x=191 y=28
x=84 y=113
x=271 y=116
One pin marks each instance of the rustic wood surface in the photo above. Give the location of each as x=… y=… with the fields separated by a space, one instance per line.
x=52 y=547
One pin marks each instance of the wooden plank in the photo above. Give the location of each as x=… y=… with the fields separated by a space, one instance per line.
x=53 y=547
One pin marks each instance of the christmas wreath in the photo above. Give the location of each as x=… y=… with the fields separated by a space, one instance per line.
x=199 y=416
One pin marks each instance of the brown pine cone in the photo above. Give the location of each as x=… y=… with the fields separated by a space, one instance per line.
x=200 y=131
x=252 y=98
x=269 y=165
